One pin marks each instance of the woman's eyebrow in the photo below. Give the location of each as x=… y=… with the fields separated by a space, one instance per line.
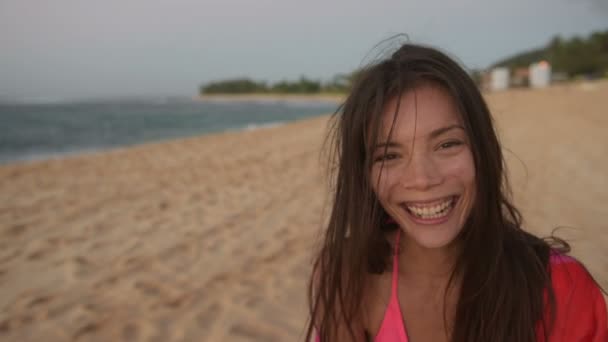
x=387 y=144
x=439 y=131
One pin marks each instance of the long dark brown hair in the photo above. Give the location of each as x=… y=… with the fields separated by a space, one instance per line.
x=504 y=269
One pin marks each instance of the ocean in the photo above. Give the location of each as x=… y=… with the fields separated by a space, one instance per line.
x=47 y=130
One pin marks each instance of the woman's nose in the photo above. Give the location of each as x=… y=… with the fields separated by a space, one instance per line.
x=420 y=173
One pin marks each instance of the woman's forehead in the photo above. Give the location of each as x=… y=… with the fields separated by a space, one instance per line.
x=419 y=112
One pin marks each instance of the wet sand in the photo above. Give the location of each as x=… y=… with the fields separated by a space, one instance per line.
x=210 y=238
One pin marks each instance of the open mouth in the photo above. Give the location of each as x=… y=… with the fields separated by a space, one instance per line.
x=431 y=211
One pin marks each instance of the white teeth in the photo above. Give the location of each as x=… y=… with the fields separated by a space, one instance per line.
x=435 y=211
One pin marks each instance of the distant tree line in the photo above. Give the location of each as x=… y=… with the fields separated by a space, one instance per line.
x=338 y=84
x=575 y=56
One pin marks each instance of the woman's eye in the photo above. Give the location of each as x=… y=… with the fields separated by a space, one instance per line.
x=386 y=157
x=449 y=144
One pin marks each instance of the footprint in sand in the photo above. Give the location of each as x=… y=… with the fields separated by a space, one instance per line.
x=79 y=267
x=5 y=327
x=215 y=246
x=10 y=255
x=253 y=301
x=106 y=282
x=87 y=329
x=148 y=288
x=40 y=301
x=40 y=249
x=137 y=330
x=254 y=332
x=13 y=323
x=206 y=318
x=16 y=230
x=131 y=263
x=130 y=332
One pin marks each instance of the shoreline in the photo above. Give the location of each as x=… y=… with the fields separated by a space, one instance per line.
x=102 y=150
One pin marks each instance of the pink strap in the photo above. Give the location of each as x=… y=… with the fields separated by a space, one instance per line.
x=394 y=302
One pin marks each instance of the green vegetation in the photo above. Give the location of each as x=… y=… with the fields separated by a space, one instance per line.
x=339 y=84
x=236 y=86
x=576 y=57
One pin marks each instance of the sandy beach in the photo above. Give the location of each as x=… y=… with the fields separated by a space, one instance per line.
x=211 y=238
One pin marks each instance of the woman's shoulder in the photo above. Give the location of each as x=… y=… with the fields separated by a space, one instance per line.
x=580 y=305
x=570 y=278
x=569 y=273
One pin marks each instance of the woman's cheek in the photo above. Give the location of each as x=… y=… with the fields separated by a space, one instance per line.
x=380 y=183
x=462 y=166
x=388 y=181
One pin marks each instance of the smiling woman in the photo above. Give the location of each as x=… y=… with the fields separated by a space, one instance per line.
x=423 y=242
x=423 y=173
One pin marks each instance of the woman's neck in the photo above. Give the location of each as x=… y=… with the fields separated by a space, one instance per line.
x=419 y=262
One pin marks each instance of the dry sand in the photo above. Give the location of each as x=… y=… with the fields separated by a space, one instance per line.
x=210 y=238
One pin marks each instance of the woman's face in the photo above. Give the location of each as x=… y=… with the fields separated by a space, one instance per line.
x=426 y=169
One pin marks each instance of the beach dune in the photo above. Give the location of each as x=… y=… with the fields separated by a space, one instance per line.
x=211 y=238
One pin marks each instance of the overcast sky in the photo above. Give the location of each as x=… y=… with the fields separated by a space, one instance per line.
x=76 y=48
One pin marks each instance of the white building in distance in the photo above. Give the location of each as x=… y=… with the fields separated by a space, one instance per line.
x=540 y=74
x=499 y=79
